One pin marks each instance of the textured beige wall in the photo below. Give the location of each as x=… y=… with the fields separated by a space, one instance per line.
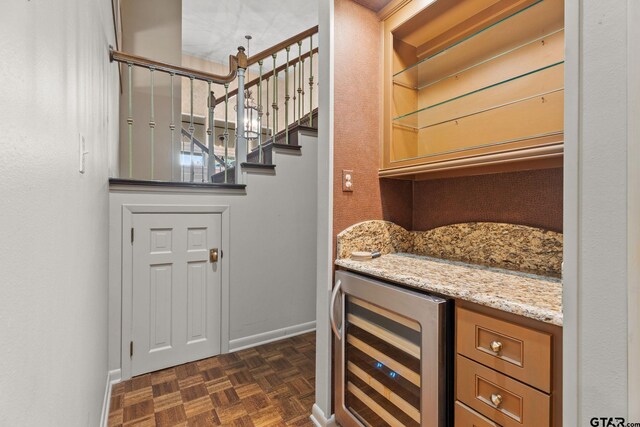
x=357 y=83
x=151 y=28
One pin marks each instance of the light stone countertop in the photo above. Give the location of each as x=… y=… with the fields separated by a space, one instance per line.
x=528 y=295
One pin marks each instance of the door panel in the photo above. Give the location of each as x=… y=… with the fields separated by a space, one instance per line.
x=160 y=307
x=176 y=290
x=196 y=310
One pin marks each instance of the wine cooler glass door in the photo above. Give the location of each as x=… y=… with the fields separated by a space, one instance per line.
x=382 y=372
x=385 y=375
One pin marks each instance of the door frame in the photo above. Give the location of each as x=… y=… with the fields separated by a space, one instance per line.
x=633 y=206
x=127 y=270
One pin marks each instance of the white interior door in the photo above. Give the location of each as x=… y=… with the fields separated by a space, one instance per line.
x=176 y=290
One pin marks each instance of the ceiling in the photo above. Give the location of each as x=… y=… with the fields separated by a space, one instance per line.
x=213 y=29
x=375 y=5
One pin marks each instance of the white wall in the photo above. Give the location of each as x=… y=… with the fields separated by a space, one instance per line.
x=272 y=251
x=633 y=171
x=596 y=215
x=56 y=82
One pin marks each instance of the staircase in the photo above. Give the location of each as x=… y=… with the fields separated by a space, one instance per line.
x=284 y=86
x=268 y=147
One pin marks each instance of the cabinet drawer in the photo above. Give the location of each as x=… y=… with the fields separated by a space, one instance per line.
x=506 y=401
x=520 y=352
x=467 y=417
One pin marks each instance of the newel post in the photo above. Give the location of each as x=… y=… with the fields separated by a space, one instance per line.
x=241 y=142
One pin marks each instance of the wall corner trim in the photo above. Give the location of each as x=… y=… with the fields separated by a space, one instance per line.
x=113 y=377
x=319 y=419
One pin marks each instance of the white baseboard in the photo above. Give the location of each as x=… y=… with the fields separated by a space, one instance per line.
x=319 y=419
x=267 y=337
x=113 y=377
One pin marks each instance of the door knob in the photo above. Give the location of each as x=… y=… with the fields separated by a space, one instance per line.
x=213 y=255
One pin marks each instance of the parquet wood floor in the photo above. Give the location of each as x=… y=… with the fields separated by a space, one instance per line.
x=269 y=385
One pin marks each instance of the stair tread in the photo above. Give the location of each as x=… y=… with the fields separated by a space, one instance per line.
x=267 y=148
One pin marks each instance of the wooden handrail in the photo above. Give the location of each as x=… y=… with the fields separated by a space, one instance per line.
x=140 y=61
x=278 y=47
x=255 y=81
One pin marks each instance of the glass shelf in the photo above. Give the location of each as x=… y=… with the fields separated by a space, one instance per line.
x=544 y=80
x=535 y=117
x=506 y=36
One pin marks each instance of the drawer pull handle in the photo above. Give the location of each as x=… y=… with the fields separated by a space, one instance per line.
x=496 y=346
x=496 y=399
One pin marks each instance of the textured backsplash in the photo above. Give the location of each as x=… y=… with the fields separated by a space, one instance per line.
x=532 y=198
x=508 y=246
x=383 y=236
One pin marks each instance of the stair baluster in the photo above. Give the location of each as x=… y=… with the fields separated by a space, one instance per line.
x=152 y=121
x=267 y=113
x=274 y=106
x=211 y=163
x=300 y=77
x=286 y=98
x=302 y=89
x=222 y=165
x=192 y=129
x=310 y=81
x=260 y=111
x=172 y=128
x=294 y=92
x=130 y=117
x=226 y=133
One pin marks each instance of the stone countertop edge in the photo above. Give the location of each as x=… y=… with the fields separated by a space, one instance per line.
x=535 y=297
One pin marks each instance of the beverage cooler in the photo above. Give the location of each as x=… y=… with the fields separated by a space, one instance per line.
x=392 y=354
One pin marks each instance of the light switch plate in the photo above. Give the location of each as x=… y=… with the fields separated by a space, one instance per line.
x=82 y=148
x=347 y=180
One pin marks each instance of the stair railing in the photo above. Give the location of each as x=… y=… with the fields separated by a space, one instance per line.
x=219 y=160
x=297 y=111
x=237 y=66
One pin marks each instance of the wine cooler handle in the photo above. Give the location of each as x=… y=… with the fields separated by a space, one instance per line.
x=332 y=310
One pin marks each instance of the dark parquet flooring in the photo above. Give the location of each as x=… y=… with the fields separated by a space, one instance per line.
x=269 y=385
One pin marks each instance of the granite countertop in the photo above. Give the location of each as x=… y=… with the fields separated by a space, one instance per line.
x=528 y=295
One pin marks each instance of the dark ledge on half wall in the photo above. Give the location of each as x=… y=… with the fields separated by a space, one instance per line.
x=202 y=185
x=290 y=147
x=257 y=166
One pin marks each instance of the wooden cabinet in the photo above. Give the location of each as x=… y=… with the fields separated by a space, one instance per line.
x=520 y=352
x=508 y=370
x=474 y=84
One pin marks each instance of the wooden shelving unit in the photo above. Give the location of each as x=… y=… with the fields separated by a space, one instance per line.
x=471 y=85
